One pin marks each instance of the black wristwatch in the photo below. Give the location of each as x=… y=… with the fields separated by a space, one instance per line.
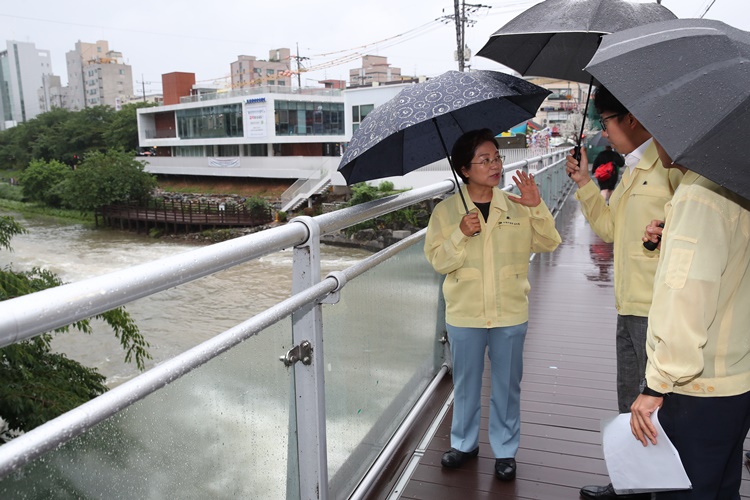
x=645 y=389
x=650 y=392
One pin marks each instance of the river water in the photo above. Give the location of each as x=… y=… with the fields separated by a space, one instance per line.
x=172 y=321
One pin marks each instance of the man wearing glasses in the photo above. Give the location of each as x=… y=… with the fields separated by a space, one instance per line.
x=645 y=187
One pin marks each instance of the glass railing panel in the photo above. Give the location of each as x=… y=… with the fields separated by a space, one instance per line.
x=381 y=351
x=218 y=432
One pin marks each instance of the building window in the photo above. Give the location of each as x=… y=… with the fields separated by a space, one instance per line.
x=189 y=151
x=359 y=113
x=309 y=118
x=210 y=122
x=228 y=150
x=255 y=150
x=269 y=72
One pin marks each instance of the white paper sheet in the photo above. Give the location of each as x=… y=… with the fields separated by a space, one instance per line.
x=634 y=468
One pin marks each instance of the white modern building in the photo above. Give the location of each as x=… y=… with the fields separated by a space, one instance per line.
x=23 y=68
x=261 y=132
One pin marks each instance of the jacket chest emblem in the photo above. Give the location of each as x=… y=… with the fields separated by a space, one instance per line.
x=508 y=222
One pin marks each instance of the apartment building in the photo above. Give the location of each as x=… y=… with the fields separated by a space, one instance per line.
x=97 y=76
x=249 y=71
x=23 y=69
x=374 y=69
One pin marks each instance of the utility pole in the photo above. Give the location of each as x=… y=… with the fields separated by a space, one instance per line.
x=143 y=86
x=460 y=19
x=299 y=67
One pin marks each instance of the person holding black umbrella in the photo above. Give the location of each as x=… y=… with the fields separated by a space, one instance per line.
x=646 y=186
x=698 y=344
x=485 y=257
x=698 y=368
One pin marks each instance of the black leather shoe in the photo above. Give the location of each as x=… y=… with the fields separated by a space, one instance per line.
x=747 y=455
x=505 y=469
x=608 y=492
x=454 y=458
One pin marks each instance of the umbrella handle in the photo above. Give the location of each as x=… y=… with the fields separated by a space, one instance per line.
x=453 y=170
x=577 y=153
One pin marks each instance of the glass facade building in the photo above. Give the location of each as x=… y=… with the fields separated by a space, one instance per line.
x=309 y=118
x=223 y=120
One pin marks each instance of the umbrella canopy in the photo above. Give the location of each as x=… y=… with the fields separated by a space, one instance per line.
x=598 y=141
x=688 y=82
x=557 y=38
x=416 y=127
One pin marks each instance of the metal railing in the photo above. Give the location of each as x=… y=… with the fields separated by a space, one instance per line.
x=24 y=317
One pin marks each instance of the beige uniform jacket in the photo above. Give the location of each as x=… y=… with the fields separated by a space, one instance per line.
x=638 y=199
x=487 y=282
x=699 y=327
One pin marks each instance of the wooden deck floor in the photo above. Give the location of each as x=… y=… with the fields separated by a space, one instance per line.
x=568 y=384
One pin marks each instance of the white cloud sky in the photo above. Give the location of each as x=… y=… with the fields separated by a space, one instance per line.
x=162 y=36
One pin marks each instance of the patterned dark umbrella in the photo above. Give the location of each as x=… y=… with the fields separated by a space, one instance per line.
x=416 y=127
x=688 y=82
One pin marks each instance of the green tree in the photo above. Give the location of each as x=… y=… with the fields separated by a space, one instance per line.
x=123 y=128
x=37 y=384
x=41 y=181
x=108 y=178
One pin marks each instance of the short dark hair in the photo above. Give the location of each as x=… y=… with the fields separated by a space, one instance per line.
x=605 y=101
x=466 y=146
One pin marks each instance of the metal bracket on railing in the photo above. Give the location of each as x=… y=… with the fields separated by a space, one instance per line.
x=302 y=352
x=313 y=229
x=333 y=297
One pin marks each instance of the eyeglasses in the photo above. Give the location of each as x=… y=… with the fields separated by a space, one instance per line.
x=603 y=120
x=486 y=162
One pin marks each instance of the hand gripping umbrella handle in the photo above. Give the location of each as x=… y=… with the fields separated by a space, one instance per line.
x=650 y=245
x=453 y=170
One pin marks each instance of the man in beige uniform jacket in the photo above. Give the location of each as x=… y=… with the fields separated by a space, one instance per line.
x=698 y=343
x=645 y=187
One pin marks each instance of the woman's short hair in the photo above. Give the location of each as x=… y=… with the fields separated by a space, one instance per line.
x=466 y=146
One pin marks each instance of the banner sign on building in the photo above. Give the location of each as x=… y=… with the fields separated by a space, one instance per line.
x=255 y=117
x=224 y=162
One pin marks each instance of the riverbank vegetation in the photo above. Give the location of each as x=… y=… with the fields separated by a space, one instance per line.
x=37 y=384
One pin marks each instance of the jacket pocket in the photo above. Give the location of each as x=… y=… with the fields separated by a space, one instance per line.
x=679 y=267
x=514 y=271
x=638 y=282
x=464 y=293
x=513 y=291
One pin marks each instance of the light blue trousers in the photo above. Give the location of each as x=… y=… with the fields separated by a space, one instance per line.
x=468 y=346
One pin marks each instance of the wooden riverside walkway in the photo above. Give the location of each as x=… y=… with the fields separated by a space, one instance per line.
x=179 y=216
x=568 y=387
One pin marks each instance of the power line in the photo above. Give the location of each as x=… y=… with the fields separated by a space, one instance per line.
x=707 y=8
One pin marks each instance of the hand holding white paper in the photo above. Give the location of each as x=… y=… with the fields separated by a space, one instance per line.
x=634 y=468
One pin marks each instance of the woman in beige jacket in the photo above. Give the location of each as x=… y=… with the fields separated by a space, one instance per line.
x=486 y=289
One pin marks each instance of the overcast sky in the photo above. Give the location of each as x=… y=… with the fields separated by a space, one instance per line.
x=162 y=36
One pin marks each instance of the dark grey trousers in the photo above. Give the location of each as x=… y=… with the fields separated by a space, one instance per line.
x=631 y=358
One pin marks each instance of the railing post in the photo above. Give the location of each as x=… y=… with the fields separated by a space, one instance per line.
x=309 y=381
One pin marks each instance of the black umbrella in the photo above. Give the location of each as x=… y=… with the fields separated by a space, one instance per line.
x=557 y=38
x=688 y=82
x=598 y=140
x=415 y=128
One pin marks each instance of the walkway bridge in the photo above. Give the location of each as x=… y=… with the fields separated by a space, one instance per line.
x=366 y=416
